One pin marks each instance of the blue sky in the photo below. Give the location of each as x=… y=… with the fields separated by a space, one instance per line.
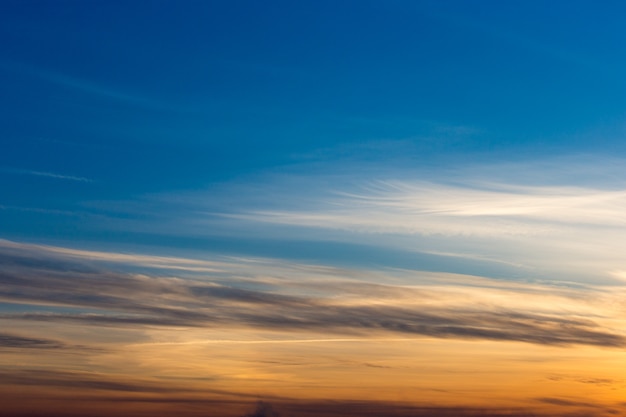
x=157 y=126
x=330 y=161
x=115 y=101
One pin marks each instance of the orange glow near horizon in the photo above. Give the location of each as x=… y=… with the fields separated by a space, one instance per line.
x=423 y=372
x=406 y=341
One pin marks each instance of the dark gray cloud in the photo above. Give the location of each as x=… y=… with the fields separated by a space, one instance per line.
x=363 y=321
x=95 y=386
x=123 y=299
x=13 y=341
x=395 y=409
x=131 y=397
x=76 y=380
x=247 y=296
x=448 y=322
x=565 y=402
x=598 y=381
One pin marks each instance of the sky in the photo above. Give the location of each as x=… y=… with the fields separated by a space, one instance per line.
x=339 y=208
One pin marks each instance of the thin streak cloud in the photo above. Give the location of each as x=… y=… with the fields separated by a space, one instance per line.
x=286 y=341
x=48 y=175
x=83 y=85
x=164 y=262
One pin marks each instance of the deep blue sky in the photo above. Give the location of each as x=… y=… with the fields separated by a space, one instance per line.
x=118 y=113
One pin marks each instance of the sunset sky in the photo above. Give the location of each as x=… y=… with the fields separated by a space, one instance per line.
x=338 y=208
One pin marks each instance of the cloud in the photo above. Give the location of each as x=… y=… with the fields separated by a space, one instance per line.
x=561 y=218
x=83 y=85
x=586 y=380
x=381 y=409
x=110 y=387
x=45 y=253
x=558 y=219
x=399 y=409
x=201 y=407
x=20 y=342
x=47 y=174
x=449 y=323
x=80 y=380
x=246 y=298
x=97 y=390
x=365 y=322
x=567 y=402
x=409 y=207
x=598 y=381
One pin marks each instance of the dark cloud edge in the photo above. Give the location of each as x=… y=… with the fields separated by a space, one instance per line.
x=166 y=406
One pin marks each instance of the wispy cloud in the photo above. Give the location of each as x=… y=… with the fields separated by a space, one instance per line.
x=161 y=262
x=565 y=214
x=47 y=174
x=83 y=85
x=568 y=402
x=366 y=310
x=408 y=207
x=41 y=210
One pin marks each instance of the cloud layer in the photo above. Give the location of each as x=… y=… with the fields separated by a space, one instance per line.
x=100 y=296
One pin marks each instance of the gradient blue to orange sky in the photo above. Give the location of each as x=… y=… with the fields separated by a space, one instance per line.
x=339 y=208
